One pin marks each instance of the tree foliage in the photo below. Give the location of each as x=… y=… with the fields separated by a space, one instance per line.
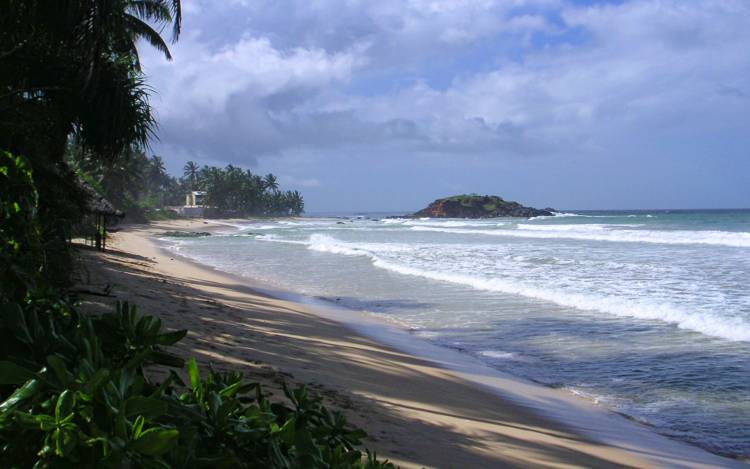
x=241 y=191
x=136 y=183
x=70 y=67
x=21 y=261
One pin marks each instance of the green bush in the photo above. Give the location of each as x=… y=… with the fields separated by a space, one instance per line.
x=162 y=214
x=75 y=392
x=21 y=259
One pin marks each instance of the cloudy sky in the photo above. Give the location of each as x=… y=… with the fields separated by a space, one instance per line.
x=385 y=105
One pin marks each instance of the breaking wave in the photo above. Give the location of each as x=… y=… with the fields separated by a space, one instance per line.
x=600 y=233
x=706 y=323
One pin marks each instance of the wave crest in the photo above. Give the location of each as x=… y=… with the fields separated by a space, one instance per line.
x=713 y=238
x=725 y=327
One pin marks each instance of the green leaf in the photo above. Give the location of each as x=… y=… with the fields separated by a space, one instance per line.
x=138 y=359
x=138 y=426
x=93 y=384
x=61 y=370
x=286 y=432
x=307 y=451
x=171 y=338
x=156 y=441
x=21 y=394
x=167 y=359
x=232 y=389
x=125 y=381
x=194 y=374
x=10 y=373
x=65 y=441
x=145 y=406
x=65 y=404
x=45 y=422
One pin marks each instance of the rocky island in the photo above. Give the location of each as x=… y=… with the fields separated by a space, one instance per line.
x=479 y=206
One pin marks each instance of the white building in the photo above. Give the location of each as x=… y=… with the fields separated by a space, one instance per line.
x=195 y=199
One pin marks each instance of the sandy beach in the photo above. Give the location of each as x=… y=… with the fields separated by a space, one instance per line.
x=416 y=413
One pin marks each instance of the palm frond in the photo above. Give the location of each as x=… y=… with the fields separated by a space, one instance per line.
x=175 y=7
x=151 y=10
x=142 y=30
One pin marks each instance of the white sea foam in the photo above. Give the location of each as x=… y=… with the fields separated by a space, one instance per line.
x=714 y=238
x=276 y=239
x=440 y=223
x=578 y=227
x=582 y=215
x=709 y=324
x=448 y=223
x=248 y=229
x=403 y=259
x=324 y=243
x=716 y=325
x=233 y=225
x=499 y=354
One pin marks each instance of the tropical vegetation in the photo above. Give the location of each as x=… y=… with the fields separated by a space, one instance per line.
x=76 y=389
x=242 y=192
x=141 y=187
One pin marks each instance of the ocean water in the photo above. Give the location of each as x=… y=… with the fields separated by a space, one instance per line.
x=644 y=312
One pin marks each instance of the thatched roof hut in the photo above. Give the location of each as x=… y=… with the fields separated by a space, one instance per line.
x=103 y=213
x=96 y=203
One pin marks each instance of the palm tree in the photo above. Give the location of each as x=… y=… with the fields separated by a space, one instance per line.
x=190 y=171
x=124 y=176
x=74 y=66
x=297 y=203
x=118 y=178
x=156 y=171
x=270 y=182
x=138 y=14
x=158 y=163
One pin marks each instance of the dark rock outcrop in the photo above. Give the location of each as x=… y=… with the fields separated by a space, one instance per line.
x=478 y=206
x=186 y=234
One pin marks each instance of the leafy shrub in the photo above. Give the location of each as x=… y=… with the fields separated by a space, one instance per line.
x=20 y=244
x=75 y=392
x=162 y=214
x=34 y=226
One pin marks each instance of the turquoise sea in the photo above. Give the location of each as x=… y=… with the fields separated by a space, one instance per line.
x=646 y=313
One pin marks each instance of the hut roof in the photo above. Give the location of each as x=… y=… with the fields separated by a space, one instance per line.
x=96 y=203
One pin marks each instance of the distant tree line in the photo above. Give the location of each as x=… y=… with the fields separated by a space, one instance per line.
x=137 y=184
x=235 y=189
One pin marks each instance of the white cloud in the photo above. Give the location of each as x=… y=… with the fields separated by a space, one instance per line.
x=202 y=78
x=575 y=97
x=507 y=78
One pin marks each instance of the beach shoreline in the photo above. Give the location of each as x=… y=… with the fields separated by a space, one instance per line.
x=424 y=405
